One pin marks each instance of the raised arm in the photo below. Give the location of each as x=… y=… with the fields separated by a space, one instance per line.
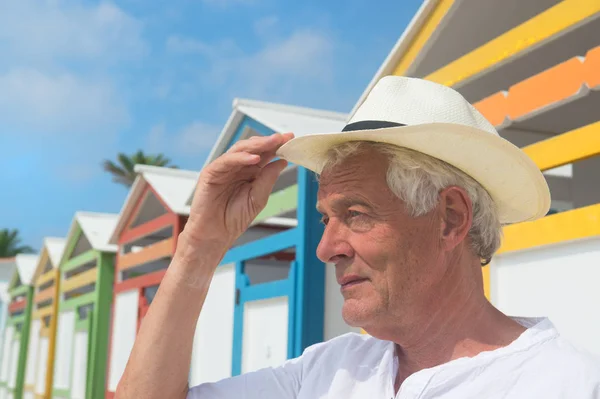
x=230 y=193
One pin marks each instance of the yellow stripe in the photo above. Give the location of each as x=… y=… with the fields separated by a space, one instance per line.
x=80 y=280
x=542 y=27
x=43 y=312
x=565 y=226
x=566 y=148
x=433 y=21
x=44 y=278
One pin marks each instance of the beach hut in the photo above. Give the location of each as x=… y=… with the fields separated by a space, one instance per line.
x=85 y=294
x=7 y=268
x=42 y=337
x=532 y=68
x=150 y=221
x=270 y=297
x=18 y=322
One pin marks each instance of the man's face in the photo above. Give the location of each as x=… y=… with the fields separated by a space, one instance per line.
x=385 y=259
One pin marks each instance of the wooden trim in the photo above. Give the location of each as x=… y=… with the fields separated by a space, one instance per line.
x=48 y=293
x=565 y=226
x=591 y=66
x=152 y=226
x=573 y=146
x=43 y=312
x=80 y=280
x=422 y=37
x=279 y=202
x=560 y=83
x=532 y=33
x=147 y=190
x=46 y=277
x=80 y=260
x=146 y=280
x=18 y=305
x=150 y=253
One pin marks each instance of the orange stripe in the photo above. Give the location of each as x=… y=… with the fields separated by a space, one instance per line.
x=494 y=108
x=553 y=85
x=548 y=87
x=161 y=249
x=591 y=68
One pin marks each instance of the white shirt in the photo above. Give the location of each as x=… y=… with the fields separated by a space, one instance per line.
x=538 y=364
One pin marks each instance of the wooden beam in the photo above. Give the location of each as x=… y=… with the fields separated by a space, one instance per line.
x=573 y=146
x=422 y=37
x=161 y=249
x=161 y=222
x=46 y=277
x=43 y=312
x=532 y=33
x=80 y=280
x=42 y=296
x=17 y=305
x=146 y=280
x=565 y=226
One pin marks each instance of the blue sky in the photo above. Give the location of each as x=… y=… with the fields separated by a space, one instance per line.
x=83 y=80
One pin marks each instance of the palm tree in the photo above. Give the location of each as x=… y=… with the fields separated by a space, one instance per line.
x=124 y=173
x=10 y=244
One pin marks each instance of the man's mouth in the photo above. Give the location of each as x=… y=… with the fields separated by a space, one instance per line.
x=351 y=281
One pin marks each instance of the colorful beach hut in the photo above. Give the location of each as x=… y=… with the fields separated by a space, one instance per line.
x=7 y=268
x=270 y=297
x=150 y=221
x=85 y=294
x=532 y=68
x=42 y=337
x=18 y=323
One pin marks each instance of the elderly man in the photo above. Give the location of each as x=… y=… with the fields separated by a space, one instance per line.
x=413 y=195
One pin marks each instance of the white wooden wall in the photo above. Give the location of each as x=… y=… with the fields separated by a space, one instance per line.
x=42 y=364
x=212 y=351
x=559 y=282
x=124 y=332
x=64 y=349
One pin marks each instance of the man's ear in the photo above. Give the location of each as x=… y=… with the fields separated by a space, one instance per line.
x=456 y=210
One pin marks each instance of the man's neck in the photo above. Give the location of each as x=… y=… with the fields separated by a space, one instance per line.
x=458 y=321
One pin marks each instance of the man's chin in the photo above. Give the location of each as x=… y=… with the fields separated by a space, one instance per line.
x=355 y=313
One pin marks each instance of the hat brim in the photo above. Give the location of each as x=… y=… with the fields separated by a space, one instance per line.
x=512 y=179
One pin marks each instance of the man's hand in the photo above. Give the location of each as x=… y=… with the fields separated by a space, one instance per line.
x=234 y=189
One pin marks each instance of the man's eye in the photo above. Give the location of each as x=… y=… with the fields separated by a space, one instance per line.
x=324 y=220
x=352 y=213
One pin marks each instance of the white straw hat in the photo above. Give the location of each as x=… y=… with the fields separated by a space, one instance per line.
x=436 y=120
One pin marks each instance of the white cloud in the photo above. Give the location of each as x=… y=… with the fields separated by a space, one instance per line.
x=229 y=3
x=67 y=30
x=193 y=139
x=302 y=60
x=61 y=103
x=265 y=25
x=178 y=44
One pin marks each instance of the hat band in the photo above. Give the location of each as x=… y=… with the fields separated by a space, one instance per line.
x=370 y=125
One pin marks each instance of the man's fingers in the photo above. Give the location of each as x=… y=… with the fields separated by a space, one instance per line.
x=233 y=161
x=262 y=186
x=261 y=144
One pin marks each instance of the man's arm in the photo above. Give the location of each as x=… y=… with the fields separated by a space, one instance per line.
x=230 y=192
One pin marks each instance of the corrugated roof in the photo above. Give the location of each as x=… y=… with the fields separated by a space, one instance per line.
x=26 y=265
x=280 y=118
x=173 y=186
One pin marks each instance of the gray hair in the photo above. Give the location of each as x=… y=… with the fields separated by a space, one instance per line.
x=417 y=179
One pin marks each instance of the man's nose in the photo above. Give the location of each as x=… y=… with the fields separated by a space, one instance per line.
x=334 y=244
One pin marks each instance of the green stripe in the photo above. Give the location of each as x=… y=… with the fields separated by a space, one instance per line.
x=79 y=260
x=74 y=303
x=20 y=290
x=16 y=319
x=82 y=325
x=279 y=202
x=65 y=393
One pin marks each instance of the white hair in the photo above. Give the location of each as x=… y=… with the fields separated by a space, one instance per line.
x=417 y=179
